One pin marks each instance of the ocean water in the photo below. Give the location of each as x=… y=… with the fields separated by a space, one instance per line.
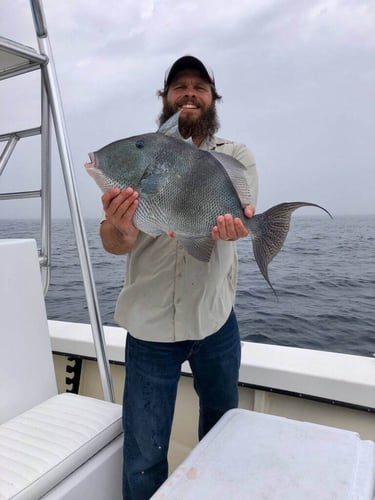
x=324 y=277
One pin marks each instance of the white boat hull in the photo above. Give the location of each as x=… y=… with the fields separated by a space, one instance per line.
x=321 y=387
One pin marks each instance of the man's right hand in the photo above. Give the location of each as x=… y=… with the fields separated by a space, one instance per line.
x=119 y=207
x=118 y=232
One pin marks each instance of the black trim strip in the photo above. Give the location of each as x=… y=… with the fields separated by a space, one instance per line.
x=310 y=397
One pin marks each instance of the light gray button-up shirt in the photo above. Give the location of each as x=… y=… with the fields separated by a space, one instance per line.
x=170 y=296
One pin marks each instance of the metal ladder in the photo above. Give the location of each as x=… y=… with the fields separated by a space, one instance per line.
x=16 y=59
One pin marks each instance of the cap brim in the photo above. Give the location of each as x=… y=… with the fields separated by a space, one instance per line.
x=188 y=62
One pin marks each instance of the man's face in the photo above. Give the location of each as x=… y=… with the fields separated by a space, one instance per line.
x=190 y=93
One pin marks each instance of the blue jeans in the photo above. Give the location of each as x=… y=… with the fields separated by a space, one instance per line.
x=152 y=373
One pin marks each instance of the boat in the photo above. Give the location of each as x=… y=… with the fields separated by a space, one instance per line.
x=305 y=424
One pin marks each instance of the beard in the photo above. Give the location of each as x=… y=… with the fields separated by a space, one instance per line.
x=204 y=126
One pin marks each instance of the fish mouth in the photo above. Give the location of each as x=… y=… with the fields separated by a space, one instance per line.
x=93 y=162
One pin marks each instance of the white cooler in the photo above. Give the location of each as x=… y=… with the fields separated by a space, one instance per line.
x=255 y=456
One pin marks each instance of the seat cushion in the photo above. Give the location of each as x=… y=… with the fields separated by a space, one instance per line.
x=42 y=446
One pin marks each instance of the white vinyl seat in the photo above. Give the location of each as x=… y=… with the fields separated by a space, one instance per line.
x=52 y=446
x=44 y=445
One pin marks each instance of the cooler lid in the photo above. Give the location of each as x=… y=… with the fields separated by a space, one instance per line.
x=258 y=456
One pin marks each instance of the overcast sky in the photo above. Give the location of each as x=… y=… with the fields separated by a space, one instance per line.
x=297 y=79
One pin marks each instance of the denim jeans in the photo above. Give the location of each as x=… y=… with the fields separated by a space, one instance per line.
x=152 y=373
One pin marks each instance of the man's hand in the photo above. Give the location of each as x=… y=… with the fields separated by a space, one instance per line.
x=231 y=228
x=118 y=233
x=119 y=207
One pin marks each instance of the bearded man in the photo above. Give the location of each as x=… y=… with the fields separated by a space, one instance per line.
x=174 y=307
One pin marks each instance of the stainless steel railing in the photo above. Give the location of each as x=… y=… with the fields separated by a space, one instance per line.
x=44 y=193
x=52 y=104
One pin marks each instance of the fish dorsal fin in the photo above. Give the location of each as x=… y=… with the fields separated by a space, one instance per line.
x=171 y=129
x=199 y=248
x=237 y=174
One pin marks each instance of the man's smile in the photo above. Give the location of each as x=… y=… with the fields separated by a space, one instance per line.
x=189 y=106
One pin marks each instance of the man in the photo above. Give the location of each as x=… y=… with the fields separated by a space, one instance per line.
x=175 y=307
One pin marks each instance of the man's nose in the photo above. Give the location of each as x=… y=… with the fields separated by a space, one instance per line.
x=190 y=91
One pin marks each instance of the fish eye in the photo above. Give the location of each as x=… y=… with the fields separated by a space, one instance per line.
x=139 y=144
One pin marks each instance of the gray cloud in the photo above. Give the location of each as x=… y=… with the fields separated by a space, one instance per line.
x=297 y=79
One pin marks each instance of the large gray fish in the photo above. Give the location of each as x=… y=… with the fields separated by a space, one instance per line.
x=182 y=189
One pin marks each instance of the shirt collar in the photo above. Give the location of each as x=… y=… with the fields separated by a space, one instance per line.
x=211 y=143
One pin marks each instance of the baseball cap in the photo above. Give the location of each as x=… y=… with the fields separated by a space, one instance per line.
x=188 y=62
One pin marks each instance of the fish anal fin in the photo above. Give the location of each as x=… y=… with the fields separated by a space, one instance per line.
x=199 y=248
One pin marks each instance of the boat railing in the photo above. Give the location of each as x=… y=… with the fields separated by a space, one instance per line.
x=16 y=59
x=44 y=193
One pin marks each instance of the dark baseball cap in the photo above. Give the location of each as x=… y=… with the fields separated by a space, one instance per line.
x=188 y=62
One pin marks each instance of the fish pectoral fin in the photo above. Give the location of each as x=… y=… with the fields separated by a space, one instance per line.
x=150 y=184
x=199 y=248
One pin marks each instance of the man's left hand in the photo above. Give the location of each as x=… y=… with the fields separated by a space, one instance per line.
x=231 y=228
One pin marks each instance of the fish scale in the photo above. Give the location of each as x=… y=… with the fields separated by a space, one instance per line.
x=186 y=210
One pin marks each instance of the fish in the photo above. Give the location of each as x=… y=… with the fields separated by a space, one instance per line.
x=183 y=189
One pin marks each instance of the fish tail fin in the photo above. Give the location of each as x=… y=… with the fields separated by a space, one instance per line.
x=269 y=231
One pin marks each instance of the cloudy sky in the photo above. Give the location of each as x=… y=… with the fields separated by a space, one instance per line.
x=297 y=79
